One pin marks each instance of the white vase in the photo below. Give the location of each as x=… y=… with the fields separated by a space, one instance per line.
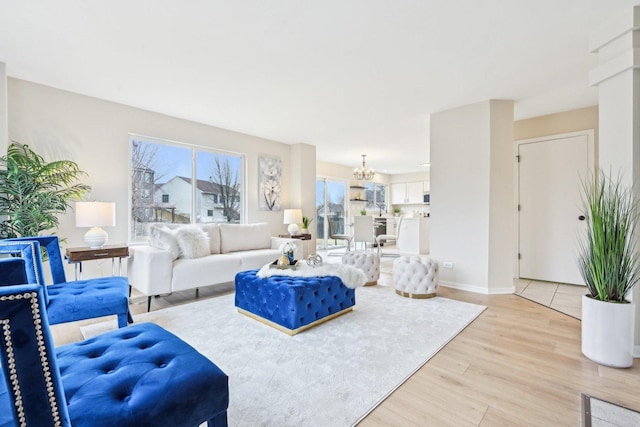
x=304 y=231
x=607 y=332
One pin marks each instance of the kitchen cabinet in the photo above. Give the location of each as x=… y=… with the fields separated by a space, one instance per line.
x=408 y=193
x=391 y=225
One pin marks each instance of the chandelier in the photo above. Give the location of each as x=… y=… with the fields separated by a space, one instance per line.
x=364 y=173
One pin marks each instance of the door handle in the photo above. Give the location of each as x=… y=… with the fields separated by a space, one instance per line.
x=581 y=217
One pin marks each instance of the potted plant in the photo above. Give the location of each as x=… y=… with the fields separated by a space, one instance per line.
x=608 y=262
x=363 y=211
x=305 y=224
x=34 y=192
x=396 y=211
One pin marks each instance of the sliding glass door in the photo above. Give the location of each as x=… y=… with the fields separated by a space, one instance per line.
x=330 y=206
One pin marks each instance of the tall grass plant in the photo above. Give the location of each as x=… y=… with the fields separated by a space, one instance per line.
x=608 y=256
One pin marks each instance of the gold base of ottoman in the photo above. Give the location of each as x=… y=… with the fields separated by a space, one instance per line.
x=375 y=282
x=293 y=331
x=416 y=296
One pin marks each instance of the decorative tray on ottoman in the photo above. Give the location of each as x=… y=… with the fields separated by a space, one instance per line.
x=293 y=266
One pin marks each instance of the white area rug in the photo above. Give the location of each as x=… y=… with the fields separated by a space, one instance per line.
x=331 y=375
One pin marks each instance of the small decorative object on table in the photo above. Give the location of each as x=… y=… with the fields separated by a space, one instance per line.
x=306 y=221
x=314 y=260
x=363 y=211
x=288 y=249
x=284 y=266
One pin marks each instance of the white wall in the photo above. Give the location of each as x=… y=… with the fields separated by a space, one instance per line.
x=95 y=134
x=409 y=177
x=501 y=202
x=468 y=146
x=303 y=195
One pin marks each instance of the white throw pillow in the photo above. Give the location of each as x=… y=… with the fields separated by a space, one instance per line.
x=162 y=237
x=193 y=242
x=244 y=237
x=213 y=231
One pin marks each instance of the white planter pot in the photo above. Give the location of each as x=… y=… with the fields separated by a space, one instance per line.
x=607 y=332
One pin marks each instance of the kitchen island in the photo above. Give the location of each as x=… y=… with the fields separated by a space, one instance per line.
x=413 y=235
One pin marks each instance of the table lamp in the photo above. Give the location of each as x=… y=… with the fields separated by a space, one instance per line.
x=95 y=215
x=292 y=217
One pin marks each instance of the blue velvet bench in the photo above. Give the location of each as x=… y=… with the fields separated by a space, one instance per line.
x=292 y=304
x=140 y=375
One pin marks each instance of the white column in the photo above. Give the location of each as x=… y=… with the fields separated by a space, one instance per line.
x=303 y=186
x=617 y=43
x=472 y=203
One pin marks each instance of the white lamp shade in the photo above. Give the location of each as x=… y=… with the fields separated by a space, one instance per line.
x=95 y=214
x=292 y=216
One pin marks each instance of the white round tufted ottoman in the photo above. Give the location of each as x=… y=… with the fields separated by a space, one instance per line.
x=415 y=276
x=369 y=262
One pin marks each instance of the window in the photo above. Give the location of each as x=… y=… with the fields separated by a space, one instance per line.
x=179 y=183
x=376 y=195
x=331 y=211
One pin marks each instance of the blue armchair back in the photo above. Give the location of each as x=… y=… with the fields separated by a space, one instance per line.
x=27 y=355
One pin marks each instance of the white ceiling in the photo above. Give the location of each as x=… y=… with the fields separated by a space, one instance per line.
x=349 y=76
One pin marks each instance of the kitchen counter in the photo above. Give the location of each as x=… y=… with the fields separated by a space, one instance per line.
x=414 y=235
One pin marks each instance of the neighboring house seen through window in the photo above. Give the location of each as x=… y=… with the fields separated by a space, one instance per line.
x=178 y=183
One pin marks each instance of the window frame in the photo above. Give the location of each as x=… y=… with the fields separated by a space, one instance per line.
x=374 y=203
x=194 y=212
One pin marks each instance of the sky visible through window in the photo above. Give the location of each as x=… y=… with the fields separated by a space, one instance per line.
x=172 y=161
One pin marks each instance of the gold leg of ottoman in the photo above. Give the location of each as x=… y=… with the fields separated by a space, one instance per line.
x=416 y=296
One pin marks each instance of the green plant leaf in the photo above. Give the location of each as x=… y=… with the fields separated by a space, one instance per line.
x=33 y=192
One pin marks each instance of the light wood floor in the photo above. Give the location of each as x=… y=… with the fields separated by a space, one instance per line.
x=518 y=364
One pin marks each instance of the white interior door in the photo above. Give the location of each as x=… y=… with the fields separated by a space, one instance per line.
x=550 y=205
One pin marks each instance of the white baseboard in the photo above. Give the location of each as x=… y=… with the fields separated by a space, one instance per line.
x=636 y=351
x=478 y=289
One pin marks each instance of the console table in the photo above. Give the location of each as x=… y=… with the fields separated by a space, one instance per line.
x=77 y=255
x=303 y=237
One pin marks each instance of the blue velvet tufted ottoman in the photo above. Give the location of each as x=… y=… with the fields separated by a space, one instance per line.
x=292 y=304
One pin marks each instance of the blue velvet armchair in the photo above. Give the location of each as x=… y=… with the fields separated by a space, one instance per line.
x=67 y=301
x=138 y=376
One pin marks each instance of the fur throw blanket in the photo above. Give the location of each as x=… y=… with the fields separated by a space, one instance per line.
x=351 y=277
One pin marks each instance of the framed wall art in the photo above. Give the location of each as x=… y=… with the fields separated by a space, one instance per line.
x=269 y=181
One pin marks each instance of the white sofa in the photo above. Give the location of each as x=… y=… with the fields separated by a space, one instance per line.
x=189 y=256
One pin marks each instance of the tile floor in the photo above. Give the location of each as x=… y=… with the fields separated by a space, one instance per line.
x=559 y=296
